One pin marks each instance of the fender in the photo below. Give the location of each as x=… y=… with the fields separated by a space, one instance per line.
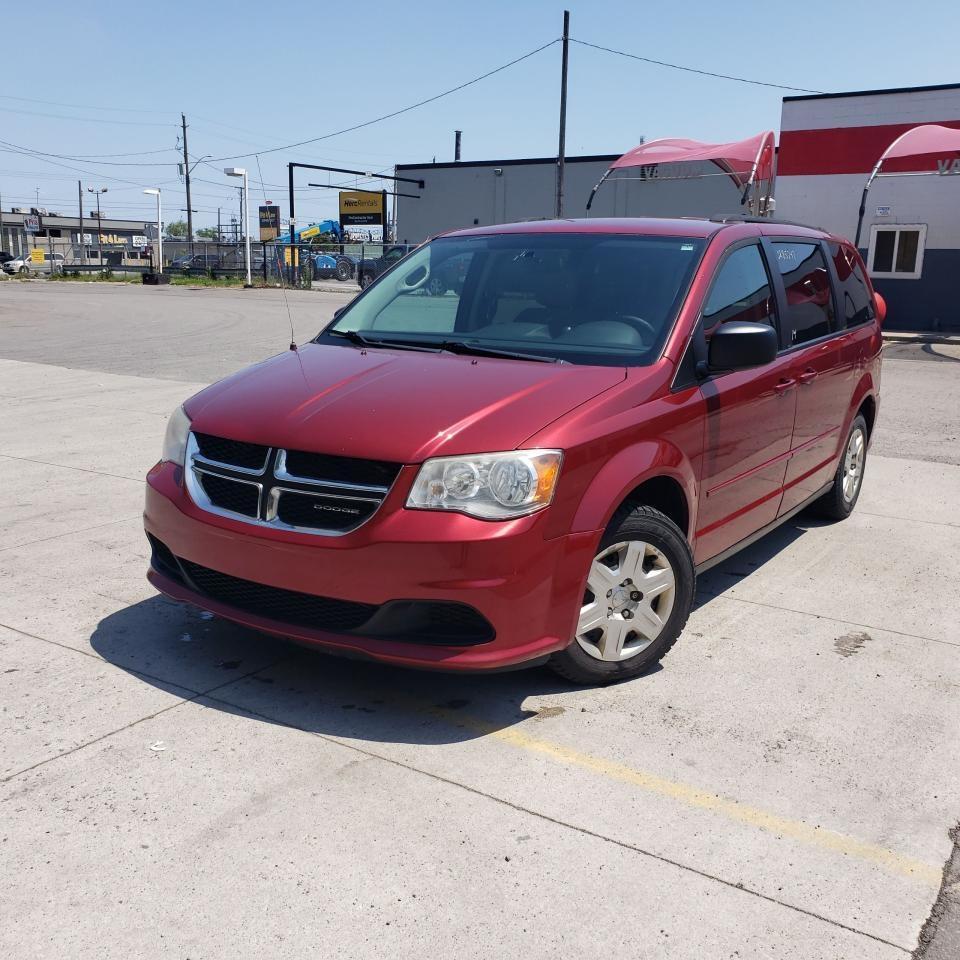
x=624 y=472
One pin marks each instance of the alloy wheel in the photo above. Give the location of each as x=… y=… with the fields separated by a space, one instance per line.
x=629 y=596
x=853 y=460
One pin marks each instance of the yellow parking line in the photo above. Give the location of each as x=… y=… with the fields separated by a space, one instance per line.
x=698 y=799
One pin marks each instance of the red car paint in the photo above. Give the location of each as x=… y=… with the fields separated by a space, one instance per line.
x=740 y=450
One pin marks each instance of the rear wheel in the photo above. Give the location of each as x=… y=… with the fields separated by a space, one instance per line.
x=636 y=601
x=365 y=280
x=436 y=287
x=839 y=501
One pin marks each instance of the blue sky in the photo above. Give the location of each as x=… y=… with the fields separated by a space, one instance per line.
x=116 y=83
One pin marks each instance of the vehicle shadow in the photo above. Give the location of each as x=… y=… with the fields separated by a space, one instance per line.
x=727 y=575
x=228 y=667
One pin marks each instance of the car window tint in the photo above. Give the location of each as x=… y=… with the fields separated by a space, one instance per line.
x=740 y=291
x=855 y=301
x=807 y=284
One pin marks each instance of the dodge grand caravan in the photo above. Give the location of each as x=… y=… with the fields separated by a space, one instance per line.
x=533 y=467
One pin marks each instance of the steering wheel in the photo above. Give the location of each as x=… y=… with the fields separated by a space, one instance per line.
x=644 y=327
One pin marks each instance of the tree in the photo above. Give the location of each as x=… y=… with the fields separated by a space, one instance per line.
x=177 y=229
x=207 y=233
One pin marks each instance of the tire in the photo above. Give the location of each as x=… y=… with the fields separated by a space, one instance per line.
x=646 y=543
x=838 y=502
x=365 y=280
x=436 y=287
x=24 y=271
x=344 y=271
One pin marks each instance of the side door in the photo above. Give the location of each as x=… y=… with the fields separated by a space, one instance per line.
x=749 y=413
x=813 y=338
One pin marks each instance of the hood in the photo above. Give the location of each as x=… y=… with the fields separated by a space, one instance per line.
x=401 y=406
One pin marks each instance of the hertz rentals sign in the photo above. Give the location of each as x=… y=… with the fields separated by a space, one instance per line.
x=359 y=209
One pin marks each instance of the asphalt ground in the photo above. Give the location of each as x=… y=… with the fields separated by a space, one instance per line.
x=175 y=786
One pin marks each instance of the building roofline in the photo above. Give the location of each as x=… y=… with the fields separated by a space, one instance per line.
x=446 y=165
x=870 y=93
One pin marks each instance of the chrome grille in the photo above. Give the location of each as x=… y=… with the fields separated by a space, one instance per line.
x=285 y=489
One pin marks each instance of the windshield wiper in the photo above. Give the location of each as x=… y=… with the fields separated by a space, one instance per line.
x=475 y=349
x=354 y=336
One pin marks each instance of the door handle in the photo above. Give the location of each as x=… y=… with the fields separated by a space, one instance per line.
x=808 y=375
x=784 y=385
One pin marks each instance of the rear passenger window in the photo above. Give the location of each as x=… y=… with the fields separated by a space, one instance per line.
x=855 y=301
x=809 y=301
x=740 y=291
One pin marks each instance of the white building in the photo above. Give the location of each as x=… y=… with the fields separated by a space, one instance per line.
x=910 y=238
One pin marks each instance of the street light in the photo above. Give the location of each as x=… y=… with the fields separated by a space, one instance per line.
x=99 y=230
x=241 y=172
x=156 y=193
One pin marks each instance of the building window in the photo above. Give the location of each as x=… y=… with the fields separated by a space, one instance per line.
x=896 y=252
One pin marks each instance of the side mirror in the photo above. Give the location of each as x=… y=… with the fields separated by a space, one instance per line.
x=338 y=311
x=741 y=344
x=881 y=306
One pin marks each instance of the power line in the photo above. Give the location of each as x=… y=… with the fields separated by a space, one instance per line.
x=60 y=116
x=81 y=106
x=395 y=113
x=703 y=73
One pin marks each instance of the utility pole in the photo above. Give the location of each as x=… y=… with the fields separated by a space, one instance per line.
x=562 y=146
x=83 y=258
x=456 y=144
x=186 y=174
x=219 y=230
x=293 y=220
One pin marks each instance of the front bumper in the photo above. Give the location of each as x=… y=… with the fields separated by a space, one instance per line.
x=528 y=587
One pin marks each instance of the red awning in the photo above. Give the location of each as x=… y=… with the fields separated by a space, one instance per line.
x=743 y=159
x=914 y=148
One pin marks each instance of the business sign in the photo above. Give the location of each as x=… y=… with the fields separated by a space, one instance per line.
x=358 y=209
x=269 y=222
x=36 y=255
x=883 y=210
x=139 y=240
x=31 y=224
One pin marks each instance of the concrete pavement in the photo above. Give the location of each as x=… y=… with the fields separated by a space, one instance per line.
x=175 y=786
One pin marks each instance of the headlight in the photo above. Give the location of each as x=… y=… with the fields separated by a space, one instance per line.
x=175 y=440
x=492 y=486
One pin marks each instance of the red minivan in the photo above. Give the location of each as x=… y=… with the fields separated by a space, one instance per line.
x=532 y=467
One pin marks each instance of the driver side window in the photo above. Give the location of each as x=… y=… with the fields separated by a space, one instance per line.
x=741 y=291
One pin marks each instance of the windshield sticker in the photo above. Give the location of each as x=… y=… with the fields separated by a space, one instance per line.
x=686 y=247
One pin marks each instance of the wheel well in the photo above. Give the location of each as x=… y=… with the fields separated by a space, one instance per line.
x=666 y=495
x=869 y=410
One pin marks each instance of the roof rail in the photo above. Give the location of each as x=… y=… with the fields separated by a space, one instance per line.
x=744 y=218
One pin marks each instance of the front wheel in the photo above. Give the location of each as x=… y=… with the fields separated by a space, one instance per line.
x=637 y=598
x=24 y=271
x=344 y=271
x=365 y=280
x=838 y=502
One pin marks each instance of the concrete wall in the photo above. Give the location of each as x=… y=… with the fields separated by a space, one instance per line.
x=468 y=194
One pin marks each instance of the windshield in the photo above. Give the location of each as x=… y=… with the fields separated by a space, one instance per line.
x=606 y=299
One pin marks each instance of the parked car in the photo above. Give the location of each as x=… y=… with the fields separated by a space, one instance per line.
x=371 y=267
x=195 y=263
x=25 y=266
x=534 y=469
x=5 y=257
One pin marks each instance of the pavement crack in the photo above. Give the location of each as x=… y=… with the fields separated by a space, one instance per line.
x=945 y=911
x=585 y=831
